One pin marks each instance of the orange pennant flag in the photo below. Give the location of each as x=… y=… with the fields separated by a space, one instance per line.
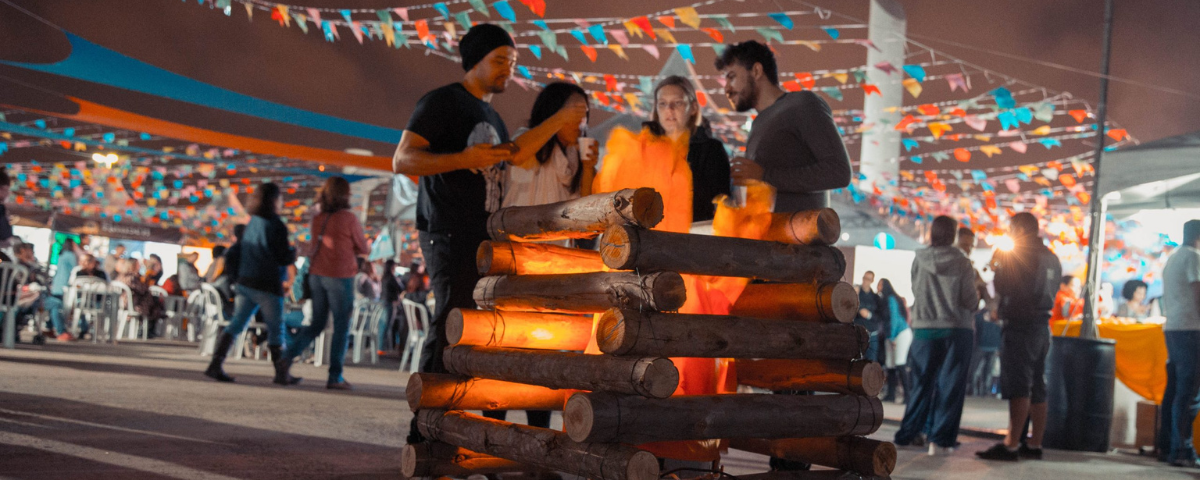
x=589 y=51
x=806 y=80
x=610 y=82
x=1084 y=197
x=962 y=154
x=715 y=34
x=938 y=128
x=667 y=20
x=905 y=122
x=868 y=89
x=929 y=109
x=792 y=86
x=1067 y=180
x=538 y=7
x=422 y=27
x=644 y=24
x=1117 y=134
x=1079 y=115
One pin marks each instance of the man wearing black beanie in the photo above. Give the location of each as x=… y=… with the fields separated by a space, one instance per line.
x=457 y=143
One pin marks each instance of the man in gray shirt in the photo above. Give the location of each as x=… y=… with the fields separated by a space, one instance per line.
x=1181 y=306
x=794 y=144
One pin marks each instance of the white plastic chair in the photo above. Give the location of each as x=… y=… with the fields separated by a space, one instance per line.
x=175 y=307
x=85 y=299
x=417 y=316
x=127 y=315
x=364 y=327
x=12 y=276
x=215 y=321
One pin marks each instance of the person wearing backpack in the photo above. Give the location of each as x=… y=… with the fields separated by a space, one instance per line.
x=338 y=241
x=1026 y=281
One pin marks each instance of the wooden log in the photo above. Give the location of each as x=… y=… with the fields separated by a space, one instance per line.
x=630 y=332
x=545 y=331
x=452 y=392
x=436 y=459
x=509 y=258
x=582 y=292
x=856 y=377
x=651 y=377
x=626 y=247
x=824 y=302
x=608 y=417
x=856 y=454
x=807 y=227
x=539 y=447
x=578 y=218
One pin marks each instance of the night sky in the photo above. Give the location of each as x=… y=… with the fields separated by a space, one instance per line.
x=1155 y=41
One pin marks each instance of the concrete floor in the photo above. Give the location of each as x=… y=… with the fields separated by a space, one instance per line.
x=84 y=411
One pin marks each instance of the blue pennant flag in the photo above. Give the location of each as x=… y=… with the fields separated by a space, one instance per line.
x=685 y=51
x=505 y=10
x=537 y=50
x=910 y=144
x=783 y=19
x=917 y=72
x=1004 y=98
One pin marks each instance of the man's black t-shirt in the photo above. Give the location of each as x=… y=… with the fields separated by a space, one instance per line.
x=459 y=201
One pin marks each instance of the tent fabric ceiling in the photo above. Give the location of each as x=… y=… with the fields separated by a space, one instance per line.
x=1159 y=174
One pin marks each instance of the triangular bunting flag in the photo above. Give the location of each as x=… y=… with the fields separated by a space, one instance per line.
x=688 y=16
x=783 y=19
x=667 y=20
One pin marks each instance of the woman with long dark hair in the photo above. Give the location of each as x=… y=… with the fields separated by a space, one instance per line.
x=556 y=170
x=338 y=240
x=898 y=338
x=265 y=256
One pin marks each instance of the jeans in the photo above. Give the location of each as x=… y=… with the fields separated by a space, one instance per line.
x=249 y=301
x=55 y=308
x=1182 y=350
x=450 y=260
x=939 y=387
x=329 y=296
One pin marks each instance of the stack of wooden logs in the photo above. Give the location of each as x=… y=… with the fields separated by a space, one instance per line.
x=524 y=349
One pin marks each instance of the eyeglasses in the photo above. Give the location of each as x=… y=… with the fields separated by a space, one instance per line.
x=675 y=105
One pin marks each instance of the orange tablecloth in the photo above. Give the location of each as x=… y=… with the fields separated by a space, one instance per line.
x=1141 y=353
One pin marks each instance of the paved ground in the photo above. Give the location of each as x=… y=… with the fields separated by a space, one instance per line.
x=82 y=411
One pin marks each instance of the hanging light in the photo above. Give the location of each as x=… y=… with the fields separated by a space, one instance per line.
x=106 y=160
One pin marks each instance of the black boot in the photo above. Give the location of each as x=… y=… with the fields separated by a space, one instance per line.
x=905 y=375
x=282 y=366
x=218 y=358
x=893 y=379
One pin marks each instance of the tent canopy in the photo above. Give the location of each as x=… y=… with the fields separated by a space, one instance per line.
x=1154 y=175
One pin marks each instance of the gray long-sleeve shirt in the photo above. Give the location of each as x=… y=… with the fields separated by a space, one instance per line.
x=798 y=146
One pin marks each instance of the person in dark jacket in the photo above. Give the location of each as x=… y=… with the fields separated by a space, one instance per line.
x=871 y=316
x=677 y=112
x=945 y=300
x=264 y=257
x=1027 y=280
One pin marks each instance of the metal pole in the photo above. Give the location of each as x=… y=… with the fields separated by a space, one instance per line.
x=1096 y=236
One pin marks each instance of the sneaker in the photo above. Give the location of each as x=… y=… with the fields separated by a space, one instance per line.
x=1186 y=463
x=935 y=449
x=342 y=385
x=918 y=441
x=1029 y=453
x=999 y=452
x=65 y=337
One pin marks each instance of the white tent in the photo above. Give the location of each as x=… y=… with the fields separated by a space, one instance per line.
x=1162 y=174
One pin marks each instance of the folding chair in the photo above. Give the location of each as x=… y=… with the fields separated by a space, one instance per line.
x=417 y=316
x=12 y=276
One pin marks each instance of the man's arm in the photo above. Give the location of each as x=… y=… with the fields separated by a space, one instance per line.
x=831 y=167
x=412 y=157
x=535 y=138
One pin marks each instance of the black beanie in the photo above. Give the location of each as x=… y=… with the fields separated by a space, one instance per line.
x=479 y=41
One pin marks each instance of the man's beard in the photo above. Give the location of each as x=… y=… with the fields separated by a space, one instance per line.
x=746 y=98
x=498 y=87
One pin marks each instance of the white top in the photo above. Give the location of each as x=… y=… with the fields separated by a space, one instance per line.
x=1179 y=303
x=542 y=183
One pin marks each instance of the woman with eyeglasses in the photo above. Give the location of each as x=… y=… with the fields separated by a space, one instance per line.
x=674 y=154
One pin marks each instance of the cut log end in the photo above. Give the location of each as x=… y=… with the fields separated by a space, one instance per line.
x=616 y=247
x=610 y=332
x=578 y=413
x=884 y=459
x=408 y=461
x=668 y=292
x=494 y=258
x=829 y=226
x=412 y=391
x=841 y=303
x=642 y=466
x=873 y=377
x=483 y=295
x=660 y=379
x=454 y=326
x=647 y=207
